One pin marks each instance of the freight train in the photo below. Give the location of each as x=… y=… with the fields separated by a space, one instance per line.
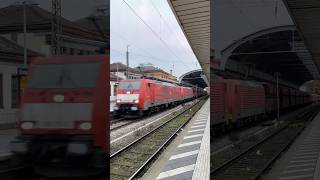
x=138 y=97
x=237 y=103
x=64 y=117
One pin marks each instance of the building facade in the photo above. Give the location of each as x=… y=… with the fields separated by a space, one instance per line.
x=150 y=71
x=120 y=70
x=75 y=39
x=11 y=58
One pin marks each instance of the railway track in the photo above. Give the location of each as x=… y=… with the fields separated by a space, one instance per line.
x=252 y=161
x=9 y=172
x=118 y=123
x=121 y=123
x=130 y=161
x=20 y=172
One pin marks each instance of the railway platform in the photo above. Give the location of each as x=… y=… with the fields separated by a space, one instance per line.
x=302 y=159
x=5 y=137
x=190 y=159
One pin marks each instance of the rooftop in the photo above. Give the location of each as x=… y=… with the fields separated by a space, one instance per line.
x=39 y=20
x=12 y=52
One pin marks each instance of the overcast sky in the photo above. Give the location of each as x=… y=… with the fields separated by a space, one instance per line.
x=71 y=9
x=234 y=19
x=165 y=45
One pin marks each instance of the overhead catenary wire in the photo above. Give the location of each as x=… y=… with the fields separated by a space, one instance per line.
x=137 y=54
x=139 y=48
x=153 y=32
x=169 y=27
x=144 y=56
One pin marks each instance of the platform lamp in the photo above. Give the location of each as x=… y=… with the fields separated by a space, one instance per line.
x=22 y=71
x=277 y=74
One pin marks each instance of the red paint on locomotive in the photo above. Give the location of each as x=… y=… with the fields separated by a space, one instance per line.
x=64 y=111
x=137 y=96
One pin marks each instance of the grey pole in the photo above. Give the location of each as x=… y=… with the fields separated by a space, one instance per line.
x=127 y=56
x=278 y=100
x=24 y=35
x=117 y=73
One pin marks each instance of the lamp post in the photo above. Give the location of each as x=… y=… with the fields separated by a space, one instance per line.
x=24 y=4
x=24 y=35
x=277 y=74
x=127 y=57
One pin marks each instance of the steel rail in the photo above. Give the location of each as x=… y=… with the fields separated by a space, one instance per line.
x=159 y=149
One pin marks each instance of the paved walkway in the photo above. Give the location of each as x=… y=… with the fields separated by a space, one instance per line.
x=5 y=137
x=302 y=160
x=304 y=163
x=191 y=159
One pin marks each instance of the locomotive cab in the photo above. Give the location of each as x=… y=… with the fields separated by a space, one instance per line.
x=129 y=98
x=63 y=118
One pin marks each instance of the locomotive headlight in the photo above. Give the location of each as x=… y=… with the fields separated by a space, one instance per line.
x=85 y=126
x=27 y=125
x=118 y=100
x=58 y=98
x=77 y=148
x=134 y=108
x=136 y=101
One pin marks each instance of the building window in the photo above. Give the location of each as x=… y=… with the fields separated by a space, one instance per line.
x=115 y=89
x=71 y=51
x=63 y=50
x=14 y=91
x=1 y=91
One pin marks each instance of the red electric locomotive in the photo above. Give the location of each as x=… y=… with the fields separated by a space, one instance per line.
x=64 y=116
x=136 y=97
x=239 y=102
x=236 y=102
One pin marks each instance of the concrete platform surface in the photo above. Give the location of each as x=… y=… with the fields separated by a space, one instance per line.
x=5 y=137
x=302 y=160
x=191 y=157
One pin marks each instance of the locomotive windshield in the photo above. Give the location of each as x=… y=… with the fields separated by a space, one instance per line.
x=129 y=85
x=82 y=75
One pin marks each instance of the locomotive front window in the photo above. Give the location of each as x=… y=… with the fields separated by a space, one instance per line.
x=129 y=85
x=82 y=75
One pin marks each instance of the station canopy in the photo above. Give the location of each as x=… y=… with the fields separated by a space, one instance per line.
x=306 y=16
x=194 y=19
x=195 y=78
x=277 y=49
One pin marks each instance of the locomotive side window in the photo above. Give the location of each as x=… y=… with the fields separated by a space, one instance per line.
x=148 y=89
x=64 y=75
x=115 y=87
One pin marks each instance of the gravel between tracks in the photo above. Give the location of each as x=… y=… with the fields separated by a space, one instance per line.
x=129 y=161
x=251 y=164
x=127 y=134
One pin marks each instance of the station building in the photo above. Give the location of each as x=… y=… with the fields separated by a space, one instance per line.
x=152 y=71
x=11 y=58
x=75 y=39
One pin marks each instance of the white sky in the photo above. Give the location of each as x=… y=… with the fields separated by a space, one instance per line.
x=146 y=46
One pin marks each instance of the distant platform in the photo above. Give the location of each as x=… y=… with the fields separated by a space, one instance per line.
x=191 y=158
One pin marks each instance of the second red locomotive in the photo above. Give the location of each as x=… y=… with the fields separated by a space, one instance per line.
x=236 y=103
x=137 y=97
